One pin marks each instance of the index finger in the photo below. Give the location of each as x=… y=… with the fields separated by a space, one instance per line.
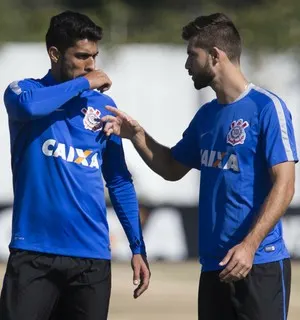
x=114 y=110
x=144 y=284
x=108 y=118
x=141 y=289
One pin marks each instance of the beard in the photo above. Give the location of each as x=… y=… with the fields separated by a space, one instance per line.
x=204 y=78
x=68 y=71
x=65 y=73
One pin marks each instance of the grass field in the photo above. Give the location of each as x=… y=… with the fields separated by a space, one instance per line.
x=172 y=293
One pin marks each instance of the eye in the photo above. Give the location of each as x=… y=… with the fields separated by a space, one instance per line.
x=82 y=56
x=191 y=55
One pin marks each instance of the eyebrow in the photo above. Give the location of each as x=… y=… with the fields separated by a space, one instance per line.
x=84 y=53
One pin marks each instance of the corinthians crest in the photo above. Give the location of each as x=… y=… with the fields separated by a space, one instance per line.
x=237 y=134
x=91 y=120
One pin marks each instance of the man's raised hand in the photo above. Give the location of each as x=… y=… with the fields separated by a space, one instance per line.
x=120 y=124
x=98 y=80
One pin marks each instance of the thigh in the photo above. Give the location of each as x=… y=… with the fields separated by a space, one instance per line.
x=214 y=301
x=87 y=294
x=27 y=293
x=265 y=293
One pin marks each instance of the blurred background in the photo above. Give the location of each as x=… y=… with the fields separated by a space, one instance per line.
x=144 y=55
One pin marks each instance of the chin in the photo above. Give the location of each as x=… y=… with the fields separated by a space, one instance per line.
x=199 y=86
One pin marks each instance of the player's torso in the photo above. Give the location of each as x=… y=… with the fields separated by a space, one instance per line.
x=235 y=181
x=234 y=174
x=59 y=192
x=229 y=138
x=71 y=136
x=75 y=134
x=58 y=158
x=230 y=160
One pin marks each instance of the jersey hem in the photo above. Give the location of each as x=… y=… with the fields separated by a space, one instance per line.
x=63 y=252
x=216 y=267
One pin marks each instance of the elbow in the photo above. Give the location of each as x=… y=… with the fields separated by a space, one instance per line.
x=172 y=179
x=168 y=178
x=171 y=176
x=173 y=173
x=26 y=107
x=18 y=107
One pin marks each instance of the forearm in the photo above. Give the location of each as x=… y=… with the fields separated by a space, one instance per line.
x=122 y=193
x=124 y=201
x=155 y=155
x=158 y=157
x=272 y=210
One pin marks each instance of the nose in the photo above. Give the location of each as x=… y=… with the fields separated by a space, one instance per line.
x=90 y=64
x=187 y=64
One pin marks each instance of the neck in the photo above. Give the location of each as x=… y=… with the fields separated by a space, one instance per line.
x=229 y=84
x=56 y=75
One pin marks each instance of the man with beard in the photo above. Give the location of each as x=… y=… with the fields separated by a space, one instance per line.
x=243 y=143
x=59 y=265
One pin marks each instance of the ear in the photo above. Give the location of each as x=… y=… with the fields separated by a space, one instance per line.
x=54 y=54
x=216 y=55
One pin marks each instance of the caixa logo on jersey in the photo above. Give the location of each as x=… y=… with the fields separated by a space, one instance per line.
x=237 y=133
x=220 y=160
x=86 y=158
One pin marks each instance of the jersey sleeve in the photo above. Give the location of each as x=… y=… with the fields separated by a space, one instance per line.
x=277 y=133
x=187 y=150
x=122 y=192
x=26 y=100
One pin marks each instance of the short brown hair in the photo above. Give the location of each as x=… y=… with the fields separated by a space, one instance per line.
x=215 y=30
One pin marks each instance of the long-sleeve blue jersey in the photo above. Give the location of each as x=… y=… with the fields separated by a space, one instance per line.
x=58 y=153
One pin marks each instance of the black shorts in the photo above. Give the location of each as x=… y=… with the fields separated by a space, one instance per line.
x=41 y=286
x=263 y=295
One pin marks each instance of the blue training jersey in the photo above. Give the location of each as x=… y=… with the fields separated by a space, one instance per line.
x=59 y=152
x=234 y=145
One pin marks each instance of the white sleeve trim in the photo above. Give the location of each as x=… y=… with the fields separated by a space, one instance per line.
x=282 y=122
x=14 y=86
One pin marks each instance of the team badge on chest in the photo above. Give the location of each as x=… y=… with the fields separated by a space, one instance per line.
x=237 y=134
x=91 y=120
